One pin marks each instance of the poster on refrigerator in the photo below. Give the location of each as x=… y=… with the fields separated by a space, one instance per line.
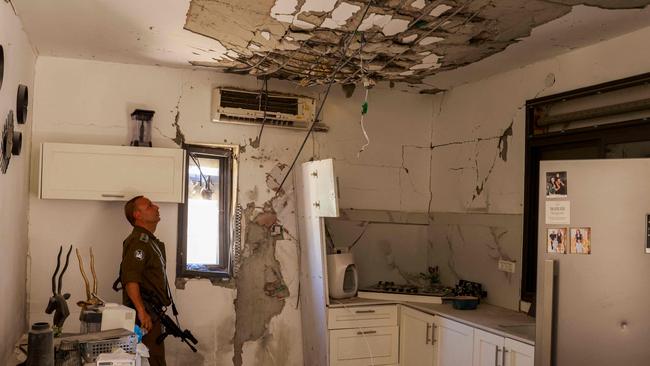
x=556 y=184
x=558 y=213
x=581 y=240
x=556 y=239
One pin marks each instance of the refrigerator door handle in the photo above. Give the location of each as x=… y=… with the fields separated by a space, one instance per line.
x=503 y=355
x=496 y=356
x=543 y=342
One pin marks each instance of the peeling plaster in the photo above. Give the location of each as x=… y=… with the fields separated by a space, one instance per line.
x=318 y=6
x=439 y=10
x=430 y=40
x=418 y=4
x=254 y=307
x=394 y=33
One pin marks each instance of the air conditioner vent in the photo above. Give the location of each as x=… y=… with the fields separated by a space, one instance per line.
x=231 y=105
x=246 y=100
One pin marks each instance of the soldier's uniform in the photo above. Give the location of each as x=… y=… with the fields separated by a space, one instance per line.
x=143 y=261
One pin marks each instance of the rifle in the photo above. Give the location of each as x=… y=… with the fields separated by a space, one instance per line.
x=171 y=327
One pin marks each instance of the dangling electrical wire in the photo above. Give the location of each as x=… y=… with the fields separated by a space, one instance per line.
x=364 y=106
x=264 y=97
x=341 y=63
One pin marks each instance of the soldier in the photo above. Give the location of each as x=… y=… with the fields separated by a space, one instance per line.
x=142 y=272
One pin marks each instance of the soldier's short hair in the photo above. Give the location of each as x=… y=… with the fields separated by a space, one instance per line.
x=129 y=208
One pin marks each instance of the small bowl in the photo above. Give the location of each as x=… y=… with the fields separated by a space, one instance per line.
x=465 y=302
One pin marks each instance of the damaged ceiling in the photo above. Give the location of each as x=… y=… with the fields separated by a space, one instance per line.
x=311 y=42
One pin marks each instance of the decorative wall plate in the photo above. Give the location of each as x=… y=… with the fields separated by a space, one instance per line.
x=6 y=146
x=22 y=102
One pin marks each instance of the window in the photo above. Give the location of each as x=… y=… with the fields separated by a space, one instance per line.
x=206 y=219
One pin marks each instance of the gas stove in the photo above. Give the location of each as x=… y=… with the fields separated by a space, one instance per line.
x=386 y=290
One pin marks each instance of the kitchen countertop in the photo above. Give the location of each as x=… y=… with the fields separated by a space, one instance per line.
x=487 y=317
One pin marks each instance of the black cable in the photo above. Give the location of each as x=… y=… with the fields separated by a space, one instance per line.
x=264 y=96
x=329 y=86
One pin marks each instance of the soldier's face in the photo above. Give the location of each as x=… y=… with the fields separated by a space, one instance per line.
x=146 y=211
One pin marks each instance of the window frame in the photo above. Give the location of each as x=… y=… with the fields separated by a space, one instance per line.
x=226 y=156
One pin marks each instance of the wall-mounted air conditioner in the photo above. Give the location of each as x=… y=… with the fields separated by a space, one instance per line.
x=231 y=105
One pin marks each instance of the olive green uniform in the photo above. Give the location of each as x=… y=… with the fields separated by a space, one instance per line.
x=141 y=262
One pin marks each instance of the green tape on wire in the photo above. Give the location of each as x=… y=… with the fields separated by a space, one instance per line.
x=364 y=108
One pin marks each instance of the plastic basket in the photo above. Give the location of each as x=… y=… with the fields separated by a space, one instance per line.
x=68 y=354
x=91 y=349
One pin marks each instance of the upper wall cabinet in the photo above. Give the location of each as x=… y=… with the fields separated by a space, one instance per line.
x=321 y=188
x=111 y=173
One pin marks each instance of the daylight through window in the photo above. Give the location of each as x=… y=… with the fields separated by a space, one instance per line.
x=204 y=217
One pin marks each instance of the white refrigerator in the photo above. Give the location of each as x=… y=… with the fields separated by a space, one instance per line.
x=593 y=280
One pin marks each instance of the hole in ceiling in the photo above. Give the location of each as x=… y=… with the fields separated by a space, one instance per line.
x=22 y=101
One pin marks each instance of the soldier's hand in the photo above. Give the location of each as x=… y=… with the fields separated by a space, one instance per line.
x=145 y=321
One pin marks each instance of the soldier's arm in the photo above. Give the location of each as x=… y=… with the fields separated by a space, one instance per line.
x=133 y=291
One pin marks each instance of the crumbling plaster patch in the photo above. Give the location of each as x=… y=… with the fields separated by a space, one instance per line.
x=463 y=32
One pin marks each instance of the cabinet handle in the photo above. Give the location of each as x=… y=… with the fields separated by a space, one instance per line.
x=505 y=350
x=427 y=340
x=112 y=195
x=366 y=332
x=364 y=311
x=496 y=356
x=433 y=333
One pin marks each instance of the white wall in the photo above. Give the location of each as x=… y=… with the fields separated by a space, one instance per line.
x=18 y=69
x=89 y=102
x=468 y=122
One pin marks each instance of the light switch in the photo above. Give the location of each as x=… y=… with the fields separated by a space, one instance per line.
x=506 y=266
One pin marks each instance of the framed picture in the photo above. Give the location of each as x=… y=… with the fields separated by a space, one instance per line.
x=556 y=239
x=556 y=184
x=581 y=240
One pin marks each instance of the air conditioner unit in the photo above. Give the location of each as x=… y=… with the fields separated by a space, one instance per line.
x=231 y=105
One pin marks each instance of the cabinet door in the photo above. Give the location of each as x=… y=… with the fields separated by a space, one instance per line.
x=487 y=349
x=323 y=194
x=454 y=343
x=518 y=353
x=111 y=173
x=416 y=338
x=364 y=346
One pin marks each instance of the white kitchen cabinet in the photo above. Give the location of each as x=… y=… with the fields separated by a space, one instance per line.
x=416 y=338
x=494 y=350
x=487 y=349
x=519 y=353
x=453 y=343
x=111 y=173
x=363 y=335
x=362 y=316
x=364 y=346
x=320 y=182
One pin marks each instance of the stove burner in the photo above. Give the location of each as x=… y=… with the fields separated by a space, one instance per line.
x=391 y=287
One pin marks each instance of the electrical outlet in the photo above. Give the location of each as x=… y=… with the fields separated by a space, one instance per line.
x=506 y=266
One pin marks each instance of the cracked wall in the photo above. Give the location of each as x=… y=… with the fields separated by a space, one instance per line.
x=461 y=159
x=253 y=319
x=19 y=64
x=399 y=171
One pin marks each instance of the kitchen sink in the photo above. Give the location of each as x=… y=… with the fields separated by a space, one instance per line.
x=523 y=330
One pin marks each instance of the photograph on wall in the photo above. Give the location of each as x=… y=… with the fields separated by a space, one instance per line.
x=581 y=240
x=556 y=184
x=556 y=239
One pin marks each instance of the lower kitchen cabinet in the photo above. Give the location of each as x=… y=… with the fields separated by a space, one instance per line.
x=416 y=338
x=453 y=343
x=363 y=336
x=364 y=346
x=518 y=353
x=494 y=350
